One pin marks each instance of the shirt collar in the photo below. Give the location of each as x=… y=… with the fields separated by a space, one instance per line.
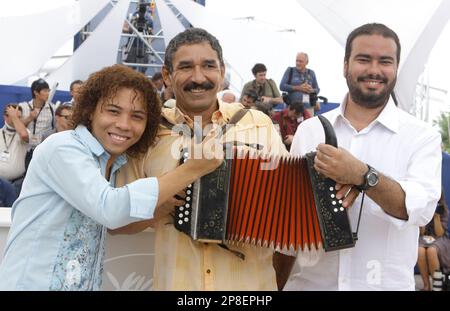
x=8 y=129
x=220 y=116
x=94 y=145
x=31 y=102
x=388 y=116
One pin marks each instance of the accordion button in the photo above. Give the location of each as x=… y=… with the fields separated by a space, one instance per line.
x=340 y=201
x=180 y=222
x=341 y=209
x=333 y=202
x=188 y=192
x=188 y=199
x=190 y=186
x=181 y=208
x=332 y=196
x=331 y=188
x=335 y=210
x=186 y=213
x=186 y=219
x=180 y=215
x=187 y=205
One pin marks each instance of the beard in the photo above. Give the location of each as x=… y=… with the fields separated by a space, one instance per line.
x=369 y=100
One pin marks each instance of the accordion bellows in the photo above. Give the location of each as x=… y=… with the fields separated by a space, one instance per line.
x=281 y=203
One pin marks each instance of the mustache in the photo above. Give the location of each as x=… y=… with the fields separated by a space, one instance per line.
x=373 y=77
x=192 y=85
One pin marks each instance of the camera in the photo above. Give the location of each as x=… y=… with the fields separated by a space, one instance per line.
x=140 y=22
x=313 y=99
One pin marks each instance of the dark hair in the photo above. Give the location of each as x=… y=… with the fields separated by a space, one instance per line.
x=442 y=208
x=258 y=68
x=371 y=29
x=39 y=85
x=252 y=94
x=188 y=37
x=297 y=106
x=12 y=105
x=157 y=76
x=74 y=83
x=104 y=84
x=61 y=108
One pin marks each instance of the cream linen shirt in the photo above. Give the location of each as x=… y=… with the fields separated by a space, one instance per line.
x=180 y=262
x=408 y=151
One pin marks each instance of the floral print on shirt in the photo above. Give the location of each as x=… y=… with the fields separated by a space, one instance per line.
x=79 y=263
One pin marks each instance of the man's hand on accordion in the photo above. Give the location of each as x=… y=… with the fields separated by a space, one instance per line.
x=204 y=157
x=168 y=207
x=346 y=193
x=341 y=166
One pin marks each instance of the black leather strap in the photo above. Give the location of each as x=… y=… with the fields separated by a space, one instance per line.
x=234 y=119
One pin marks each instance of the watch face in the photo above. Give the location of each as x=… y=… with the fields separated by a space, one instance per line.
x=372 y=179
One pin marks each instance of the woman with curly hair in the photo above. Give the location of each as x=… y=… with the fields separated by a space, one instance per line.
x=68 y=199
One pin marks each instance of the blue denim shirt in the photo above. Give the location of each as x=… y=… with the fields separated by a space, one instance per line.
x=297 y=79
x=59 y=221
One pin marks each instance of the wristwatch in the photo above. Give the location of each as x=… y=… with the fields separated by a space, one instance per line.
x=371 y=179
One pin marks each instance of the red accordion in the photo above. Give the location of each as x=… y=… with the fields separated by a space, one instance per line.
x=281 y=203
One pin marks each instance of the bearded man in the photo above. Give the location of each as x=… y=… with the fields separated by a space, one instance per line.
x=385 y=155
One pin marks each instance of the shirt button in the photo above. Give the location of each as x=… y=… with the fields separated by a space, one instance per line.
x=208 y=271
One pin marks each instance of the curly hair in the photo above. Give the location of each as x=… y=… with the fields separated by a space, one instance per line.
x=103 y=85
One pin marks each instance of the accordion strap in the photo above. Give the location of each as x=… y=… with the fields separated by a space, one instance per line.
x=166 y=123
x=234 y=119
x=355 y=234
x=238 y=254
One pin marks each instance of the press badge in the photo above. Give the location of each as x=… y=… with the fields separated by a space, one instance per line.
x=4 y=156
x=305 y=98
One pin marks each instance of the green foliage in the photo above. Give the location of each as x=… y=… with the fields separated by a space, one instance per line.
x=443 y=122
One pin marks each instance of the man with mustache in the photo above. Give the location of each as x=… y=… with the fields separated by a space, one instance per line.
x=388 y=164
x=194 y=68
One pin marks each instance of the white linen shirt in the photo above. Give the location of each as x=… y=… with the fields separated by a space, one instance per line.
x=404 y=149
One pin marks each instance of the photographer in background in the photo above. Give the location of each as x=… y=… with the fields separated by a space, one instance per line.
x=251 y=100
x=135 y=51
x=13 y=147
x=38 y=115
x=300 y=83
x=269 y=96
x=142 y=18
x=434 y=245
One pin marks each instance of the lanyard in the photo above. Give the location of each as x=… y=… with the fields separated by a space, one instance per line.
x=10 y=141
x=35 y=120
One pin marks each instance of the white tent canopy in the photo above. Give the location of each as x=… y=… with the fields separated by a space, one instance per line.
x=321 y=27
x=31 y=34
x=98 y=51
